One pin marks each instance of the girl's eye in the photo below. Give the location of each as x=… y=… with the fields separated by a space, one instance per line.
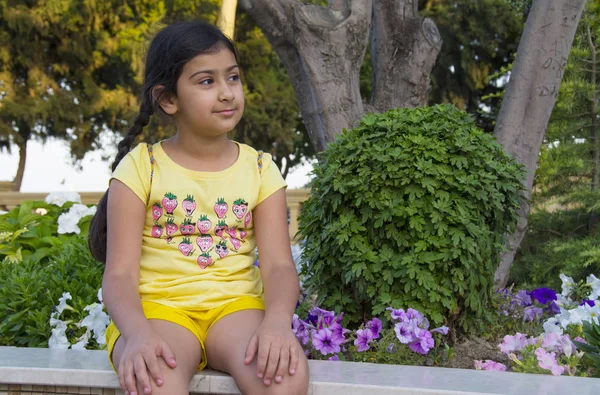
x=234 y=77
x=206 y=81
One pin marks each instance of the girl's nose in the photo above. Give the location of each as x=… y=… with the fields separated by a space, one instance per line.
x=226 y=93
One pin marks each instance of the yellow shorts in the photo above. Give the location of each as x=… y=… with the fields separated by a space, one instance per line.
x=197 y=322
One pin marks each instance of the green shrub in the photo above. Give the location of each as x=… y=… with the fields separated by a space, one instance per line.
x=409 y=209
x=29 y=291
x=30 y=231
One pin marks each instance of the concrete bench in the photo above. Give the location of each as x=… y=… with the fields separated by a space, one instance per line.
x=37 y=370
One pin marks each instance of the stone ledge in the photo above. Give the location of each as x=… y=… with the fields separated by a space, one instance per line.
x=35 y=367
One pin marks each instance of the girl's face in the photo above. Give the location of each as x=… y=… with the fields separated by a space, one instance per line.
x=210 y=98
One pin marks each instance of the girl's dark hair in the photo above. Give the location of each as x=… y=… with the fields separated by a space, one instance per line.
x=169 y=51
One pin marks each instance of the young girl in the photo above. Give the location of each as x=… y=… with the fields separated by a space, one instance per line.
x=178 y=230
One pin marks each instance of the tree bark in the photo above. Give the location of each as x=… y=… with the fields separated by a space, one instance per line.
x=404 y=47
x=322 y=50
x=21 y=168
x=226 y=20
x=530 y=97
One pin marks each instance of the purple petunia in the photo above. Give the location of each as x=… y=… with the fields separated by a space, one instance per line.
x=398 y=314
x=490 y=365
x=590 y=303
x=375 y=327
x=531 y=313
x=544 y=295
x=299 y=329
x=423 y=342
x=405 y=332
x=322 y=340
x=513 y=343
x=442 y=329
x=363 y=338
x=338 y=333
x=522 y=298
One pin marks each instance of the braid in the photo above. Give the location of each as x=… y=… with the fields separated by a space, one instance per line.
x=141 y=120
x=98 y=227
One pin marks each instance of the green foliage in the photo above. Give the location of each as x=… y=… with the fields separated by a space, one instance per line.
x=409 y=209
x=29 y=291
x=556 y=242
x=30 y=231
x=479 y=39
x=591 y=333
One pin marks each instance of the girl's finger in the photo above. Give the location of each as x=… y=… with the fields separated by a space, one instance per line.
x=263 y=356
x=141 y=375
x=284 y=362
x=272 y=363
x=294 y=357
x=251 y=350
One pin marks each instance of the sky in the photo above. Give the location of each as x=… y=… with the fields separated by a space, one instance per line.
x=49 y=168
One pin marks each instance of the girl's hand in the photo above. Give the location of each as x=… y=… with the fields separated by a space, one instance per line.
x=140 y=356
x=278 y=350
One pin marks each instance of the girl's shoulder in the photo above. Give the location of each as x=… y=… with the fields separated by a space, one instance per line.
x=250 y=153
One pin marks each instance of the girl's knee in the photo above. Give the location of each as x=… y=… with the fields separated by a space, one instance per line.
x=250 y=384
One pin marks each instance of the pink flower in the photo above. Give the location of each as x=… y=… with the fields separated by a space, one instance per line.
x=490 y=366
x=513 y=343
x=548 y=361
x=550 y=341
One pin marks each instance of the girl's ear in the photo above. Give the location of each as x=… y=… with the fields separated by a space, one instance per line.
x=166 y=102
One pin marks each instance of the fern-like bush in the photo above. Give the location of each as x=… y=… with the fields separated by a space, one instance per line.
x=409 y=209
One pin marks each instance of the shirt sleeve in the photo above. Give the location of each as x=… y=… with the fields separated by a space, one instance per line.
x=134 y=171
x=271 y=178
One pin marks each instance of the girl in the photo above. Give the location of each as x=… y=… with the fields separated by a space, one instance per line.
x=178 y=231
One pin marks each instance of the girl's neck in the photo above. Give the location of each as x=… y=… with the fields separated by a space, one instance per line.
x=202 y=153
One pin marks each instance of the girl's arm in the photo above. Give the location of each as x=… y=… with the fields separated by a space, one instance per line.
x=274 y=340
x=125 y=224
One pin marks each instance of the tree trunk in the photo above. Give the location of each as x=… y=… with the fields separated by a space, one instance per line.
x=226 y=20
x=404 y=48
x=322 y=50
x=531 y=95
x=21 y=168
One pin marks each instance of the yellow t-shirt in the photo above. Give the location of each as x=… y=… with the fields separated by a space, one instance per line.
x=198 y=241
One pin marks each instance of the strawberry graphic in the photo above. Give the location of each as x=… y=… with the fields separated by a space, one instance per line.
x=171 y=227
x=187 y=227
x=157 y=211
x=204 y=261
x=247 y=219
x=157 y=231
x=231 y=231
x=236 y=243
x=221 y=226
x=204 y=242
x=189 y=205
x=239 y=208
x=186 y=247
x=169 y=202
x=221 y=249
x=243 y=234
x=221 y=208
x=204 y=224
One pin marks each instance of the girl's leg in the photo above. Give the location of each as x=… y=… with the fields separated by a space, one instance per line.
x=226 y=345
x=187 y=353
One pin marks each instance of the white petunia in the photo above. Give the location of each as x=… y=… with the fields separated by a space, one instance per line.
x=58 y=340
x=552 y=326
x=60 y=198
x=97 y=321
x=82 y=341
x=100 y=295
x=62 y=303
x=68 y=222
x=567 y=285
x=594 y=282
